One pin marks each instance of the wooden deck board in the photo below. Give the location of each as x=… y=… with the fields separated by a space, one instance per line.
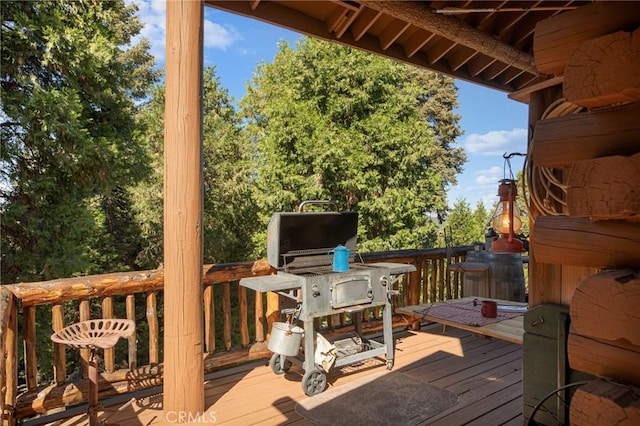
x=485 y=373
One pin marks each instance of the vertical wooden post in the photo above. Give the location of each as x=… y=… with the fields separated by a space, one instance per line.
x=10 y=359
x=183 y=301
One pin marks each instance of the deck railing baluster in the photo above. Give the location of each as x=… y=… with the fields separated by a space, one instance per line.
x=209 y=320
x=244 y=316
x=259 y=320
x=59 y=355
x=433 y=269
x=132 y=353
x=84 y=310
x=30 y=357
x=226 y=314
x=152 y=320
x=109 y=354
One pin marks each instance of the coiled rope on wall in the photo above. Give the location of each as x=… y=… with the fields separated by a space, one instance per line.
x=541 y=186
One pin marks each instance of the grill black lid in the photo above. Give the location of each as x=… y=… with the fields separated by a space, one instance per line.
x=307 y=237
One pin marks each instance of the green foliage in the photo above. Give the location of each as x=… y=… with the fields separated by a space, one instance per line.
x=68 y=143
x=374 y=135
x=481 y=220
x=464 y=226
x=229 y=215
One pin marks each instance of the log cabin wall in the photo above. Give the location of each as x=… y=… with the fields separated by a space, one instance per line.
x=584 y=187
x=585 y=134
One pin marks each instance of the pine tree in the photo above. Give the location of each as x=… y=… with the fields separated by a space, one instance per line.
x=69 y=83
x=377 y=136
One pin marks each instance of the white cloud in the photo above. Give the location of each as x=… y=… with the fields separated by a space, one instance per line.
x=489 y=176
x=153 y=14
x=496 y=142
x=218 y=36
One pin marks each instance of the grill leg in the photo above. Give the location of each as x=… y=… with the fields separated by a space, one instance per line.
x=356 y=317
x=387 y=325
x=309 y=346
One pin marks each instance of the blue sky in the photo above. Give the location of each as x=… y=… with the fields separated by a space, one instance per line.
x=492 y=123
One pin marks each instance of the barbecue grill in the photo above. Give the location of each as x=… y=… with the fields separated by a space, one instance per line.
x=299 y=246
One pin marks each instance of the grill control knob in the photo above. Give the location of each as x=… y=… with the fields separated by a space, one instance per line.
x=384 y=281
x=315 y=291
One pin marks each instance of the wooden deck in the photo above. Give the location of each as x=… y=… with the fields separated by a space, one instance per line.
x=485 y=373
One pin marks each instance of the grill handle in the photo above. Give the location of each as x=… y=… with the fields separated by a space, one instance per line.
x=317 y=202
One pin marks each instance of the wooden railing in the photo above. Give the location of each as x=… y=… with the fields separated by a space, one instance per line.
x=236 y=322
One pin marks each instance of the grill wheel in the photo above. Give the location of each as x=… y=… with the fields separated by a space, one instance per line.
x=277 y=366
x=313 y=382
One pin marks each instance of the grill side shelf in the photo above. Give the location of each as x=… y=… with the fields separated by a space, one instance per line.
x=394 y=268
x=270 y=283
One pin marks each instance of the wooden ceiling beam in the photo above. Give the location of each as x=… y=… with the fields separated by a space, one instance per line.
x=450 y=27
x=509 y=75
x=488 y=20
x=336 y=19
x=495 y=70
x=416 y=42
x=479 y=64
x=341 y=19
x=461 y=57
x=363 y=22
x=525 y=86
x=392 y=32
x=439 y=49
x=351 y=5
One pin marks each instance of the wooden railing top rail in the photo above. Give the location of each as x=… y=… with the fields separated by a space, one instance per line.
x=123 y=283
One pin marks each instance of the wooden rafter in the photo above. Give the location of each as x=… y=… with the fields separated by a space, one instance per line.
x=364 y=21
x=454 y=29
x=392 y=32
x=416 y=42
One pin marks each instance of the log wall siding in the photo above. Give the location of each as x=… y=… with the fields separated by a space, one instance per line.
x=244 y=320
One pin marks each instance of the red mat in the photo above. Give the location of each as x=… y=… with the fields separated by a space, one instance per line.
x=466 y=313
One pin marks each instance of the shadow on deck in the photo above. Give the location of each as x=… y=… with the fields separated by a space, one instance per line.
x=485 y=373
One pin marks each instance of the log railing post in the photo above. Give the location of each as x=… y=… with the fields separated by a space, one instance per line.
x=107 y=313
x=226 y=314
x=10 y=342
x=7 y=341
x=85 y=354
x=154 y=330
x=259 y=314
x=273 y=310
x=59 y=356
x=244 y=316
x=209 y=320
x=30 y=358
x=131 y=340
